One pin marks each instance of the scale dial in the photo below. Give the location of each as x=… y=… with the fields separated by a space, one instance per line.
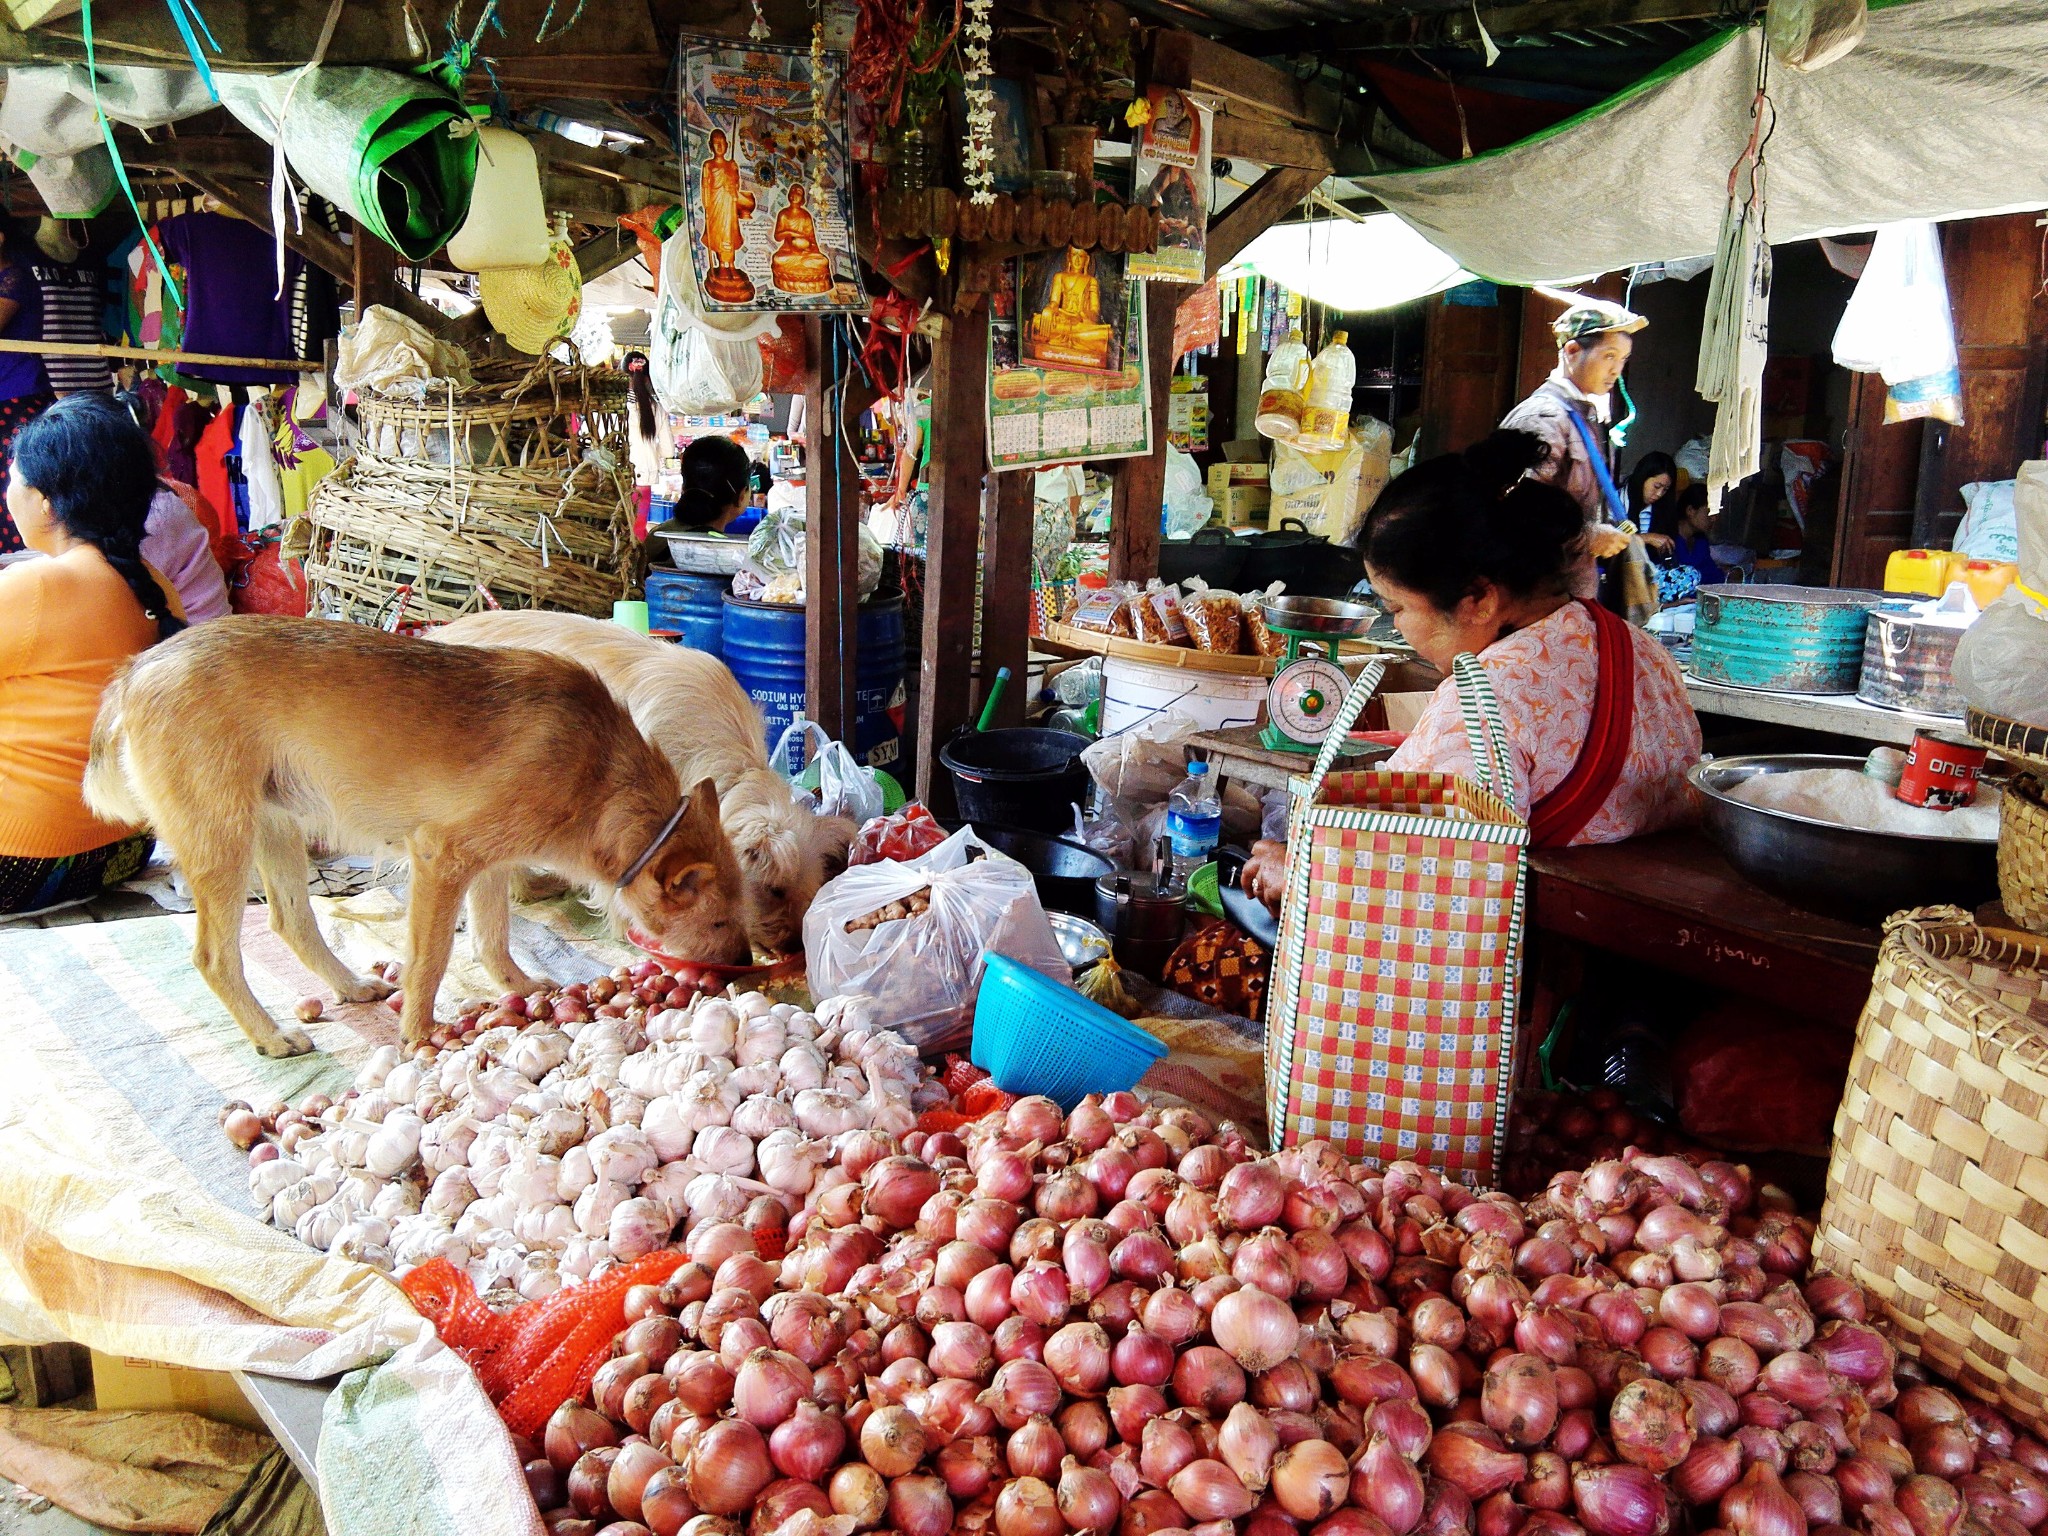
x=1303 y=697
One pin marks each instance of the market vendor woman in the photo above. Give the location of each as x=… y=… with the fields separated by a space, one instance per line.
x=1471 y=555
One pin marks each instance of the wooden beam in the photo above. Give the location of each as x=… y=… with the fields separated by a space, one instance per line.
x=1006 y=593
x=1197 y=62
x=605 y=253
x=376 y=272
x=650 y=171
x=1457 y=27
x=1273 y=143
x=952 y=544
x=1272 y=197
x=832 y=513
x=1139 y=497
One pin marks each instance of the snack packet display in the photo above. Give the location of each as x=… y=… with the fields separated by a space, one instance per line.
x=1215 y=619
x=1156 y=614
x=1259 y=639
x=1107 y=611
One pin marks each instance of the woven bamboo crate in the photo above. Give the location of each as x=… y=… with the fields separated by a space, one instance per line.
x=514 y=414
x=1938 y=1185
x=2023 y=853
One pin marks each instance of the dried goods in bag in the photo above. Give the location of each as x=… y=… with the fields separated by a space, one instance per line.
x=1215 y=619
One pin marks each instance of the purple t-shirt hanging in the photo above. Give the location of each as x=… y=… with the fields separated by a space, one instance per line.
x=22 y=373
x=231 y=301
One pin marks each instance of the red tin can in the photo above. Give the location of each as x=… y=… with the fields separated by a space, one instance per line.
x=1941 y=771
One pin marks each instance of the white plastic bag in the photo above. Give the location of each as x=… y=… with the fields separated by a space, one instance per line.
x=1188 y=503
x=1898 y=324
x=844 y=787
x=1812 y=34
x=1990 y=527
x=923 y=971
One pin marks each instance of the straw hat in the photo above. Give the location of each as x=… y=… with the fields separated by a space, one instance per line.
x=507 y=223
x=534 y=306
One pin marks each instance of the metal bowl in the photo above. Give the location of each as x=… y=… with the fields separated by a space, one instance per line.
x=1318 y=615
x=1845 y=872
x=1080 y=940
x=705 y=554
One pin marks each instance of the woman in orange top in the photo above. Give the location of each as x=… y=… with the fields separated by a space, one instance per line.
x=79 y=491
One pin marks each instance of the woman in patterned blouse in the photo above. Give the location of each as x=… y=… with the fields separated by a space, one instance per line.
x=1470 y=555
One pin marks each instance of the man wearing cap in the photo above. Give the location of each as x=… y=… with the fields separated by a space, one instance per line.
x=1570 y=412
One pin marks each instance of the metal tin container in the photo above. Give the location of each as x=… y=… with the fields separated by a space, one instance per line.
x=1781 y=639
x=1908 y=662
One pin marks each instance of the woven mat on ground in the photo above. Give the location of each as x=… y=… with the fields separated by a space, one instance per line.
x=1214 y=1061
x=126 y=1222
x=129 y=1471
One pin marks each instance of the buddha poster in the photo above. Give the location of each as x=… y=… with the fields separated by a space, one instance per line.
x=1071 y=311
x=765 y=179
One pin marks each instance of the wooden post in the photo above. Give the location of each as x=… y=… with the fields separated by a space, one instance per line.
x=1006 y=593
x=376 y=272
x=832 y=508
x=953 y=542
x=1141 y=483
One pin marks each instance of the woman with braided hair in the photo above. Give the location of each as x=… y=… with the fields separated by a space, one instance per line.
x=79 y=490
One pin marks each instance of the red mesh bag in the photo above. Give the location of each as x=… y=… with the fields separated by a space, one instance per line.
x=270 y=584
x=783 y=359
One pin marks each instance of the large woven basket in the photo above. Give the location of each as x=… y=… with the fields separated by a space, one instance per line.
x=2023 y=853
x=1938 y=1187
x=514 y=413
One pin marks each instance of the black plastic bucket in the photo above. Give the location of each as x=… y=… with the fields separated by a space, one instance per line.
x=1026 y=776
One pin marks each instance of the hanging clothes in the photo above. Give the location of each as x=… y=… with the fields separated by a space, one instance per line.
x=301 y=462
x=231 y=306
x=259 y=468
x=216 y=443
x=71 y=313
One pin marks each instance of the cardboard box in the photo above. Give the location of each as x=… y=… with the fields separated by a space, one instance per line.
x=1241 y=506
x=1224 y=477
x=42 y=1375
x=123 y=1382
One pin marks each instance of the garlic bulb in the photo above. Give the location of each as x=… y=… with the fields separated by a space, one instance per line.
x=404 y=1082
x=266 y=1179
x=537 y=1052
x=823 y=1113
x=721 y=1149
x=760 y=1039
x=801 y=1026
x=638 y=1227
x=531 y=1179
x=377 y=1068
x=575 y=1174
x=360 y=1235
x=554 y=1131
x=714 y=1026
x=850 y=1010
x=623 y=1156
x=668 y=1188
x=790 y=1162
x=595 y=1205
x=450 y=1194
x=318 y=1226
x=751 y=1005
x=663 y=1126
x=396 y=1200
x=759 y=1115
x=802 y=1066
x=292 y=1202
x=761 y=1077
x=533 y=1222
x=713 y=1197
x=539 y=1277
x=446 y=1141
x=395 y=1147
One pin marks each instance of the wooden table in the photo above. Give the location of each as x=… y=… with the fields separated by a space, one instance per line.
x=1237 y=753
x=1672 y=900
x=1840 y=714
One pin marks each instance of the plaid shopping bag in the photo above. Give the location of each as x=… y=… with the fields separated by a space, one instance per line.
x=1390 y=1020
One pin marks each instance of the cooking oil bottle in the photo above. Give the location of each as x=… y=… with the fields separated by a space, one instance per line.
x=1326 y=423
x=1280 y=399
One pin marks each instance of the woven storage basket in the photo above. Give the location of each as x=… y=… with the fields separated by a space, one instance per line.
x=2023 y=853
x=1938 y=1187
x=515 y=413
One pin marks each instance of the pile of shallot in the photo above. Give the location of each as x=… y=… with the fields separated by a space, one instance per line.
x=560 y=1133
x=1125 y=1320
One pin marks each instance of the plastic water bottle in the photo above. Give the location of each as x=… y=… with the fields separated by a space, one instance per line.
x=1280 y=401
x=1194 y=821
x=1326 y=424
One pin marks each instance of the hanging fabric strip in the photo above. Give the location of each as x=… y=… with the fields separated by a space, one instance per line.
x=113 y=150
x=282 y=194
x=178 y=10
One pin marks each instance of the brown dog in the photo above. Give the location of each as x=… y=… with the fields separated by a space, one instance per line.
x=236 y=741
x=693 y=709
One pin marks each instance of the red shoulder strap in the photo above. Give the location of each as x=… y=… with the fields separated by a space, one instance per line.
x=1563 y=813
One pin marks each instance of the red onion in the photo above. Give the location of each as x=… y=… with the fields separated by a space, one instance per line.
x=1110 y=1170
x=1759 y=1327
x=858 y=1492
x=1208 y=1490
x=1115 y=1308
x=1619 y=1318
x=1361 y=1380
x=1816 y=1496
x=1835 y=1297
x=953 y=1410
x=1545 y=1331
x=2026 y=1490
x=1549 y=1483
x=1714 y=1410
x=1992 y=1431
x=1881 y=1517
x=1191 y=1214
x=1141 y=1358
x=970 y=1467
x=1250 y=1196
x=1207 y=1378
x=1132 y=1408
x=1370 y=1256
x=987 y=1223
x=1084 y=1425
x=1651 y=1425
x=1766 y=1410
x=1760 y=1506
x=961 y=1350
x=574 y=1429
x=1477 y=1466
x=1255 y=1327
x=1311 y=1479
x=1085 y=1261
x=1730 y=1364
x=1798 y=1378
x=1290 y=1384
x=1166 y=1446
x=1438 y=1381
x=1035 y=1448
x=1808 y=1448
x=987 y=1295
x=1027 y=1506
x=1022 y=1388
x=1143 y=1256
x=1078 y=1355
x=1386 y=1483
x=1862 y=1481
x=1619 y=1500
x=1519 y=1399
x=1088 y=1499
x=728 y=1467
x=768 y=1386
x=807 y=1445
x=1760 y=1445
x=1930 y=1504
x=1041 y=1292
x=1669 y=1353
x=1943 y=1451
x=1692 y=1309
x=1402 y=1421
x=895 y=1188
x=1067 y=1196
x=1246 y=1443
x=1708 y=1472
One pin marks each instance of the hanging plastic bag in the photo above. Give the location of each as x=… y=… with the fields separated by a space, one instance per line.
x=1188 y=503
x=911 y=935
x=845 y=788
x=695 y=373
x=1812 y=34
x=1898 y=324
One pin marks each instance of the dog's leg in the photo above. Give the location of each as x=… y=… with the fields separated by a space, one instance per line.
x=220 y=895
x=439 y=878
x=281 y=861
x=490 y=931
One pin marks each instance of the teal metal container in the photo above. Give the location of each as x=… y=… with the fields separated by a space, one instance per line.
x=764 y=646
x=692 y=605
x=1781 y=639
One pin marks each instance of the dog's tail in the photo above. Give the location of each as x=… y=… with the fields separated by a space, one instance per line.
x=107 y=791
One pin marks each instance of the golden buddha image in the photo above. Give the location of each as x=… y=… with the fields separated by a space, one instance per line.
x=726 y=203
x=798 y=266
x=1069 y=332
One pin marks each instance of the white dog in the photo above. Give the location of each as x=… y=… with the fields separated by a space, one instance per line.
x=695 y=712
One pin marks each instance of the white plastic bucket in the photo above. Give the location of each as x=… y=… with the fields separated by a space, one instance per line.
x=1134 y=691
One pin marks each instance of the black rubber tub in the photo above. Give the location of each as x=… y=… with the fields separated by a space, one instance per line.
x=1026 y=776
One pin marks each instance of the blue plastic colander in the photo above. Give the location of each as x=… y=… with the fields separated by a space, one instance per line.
x=1033 y=1035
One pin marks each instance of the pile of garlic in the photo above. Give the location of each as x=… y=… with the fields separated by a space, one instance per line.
x=536 y=1157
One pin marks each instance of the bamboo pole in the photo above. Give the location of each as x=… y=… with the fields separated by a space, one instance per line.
x=108 y=349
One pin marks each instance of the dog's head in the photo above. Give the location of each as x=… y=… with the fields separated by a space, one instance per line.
x=786 y=851
x=689 y=900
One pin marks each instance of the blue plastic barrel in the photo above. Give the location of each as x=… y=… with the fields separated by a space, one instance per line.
x=764 y=646
x=693 y=605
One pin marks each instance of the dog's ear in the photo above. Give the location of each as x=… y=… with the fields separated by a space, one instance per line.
x=703 y=811
x=688 y=880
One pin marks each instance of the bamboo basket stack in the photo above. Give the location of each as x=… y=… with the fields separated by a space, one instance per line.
x=513 y=492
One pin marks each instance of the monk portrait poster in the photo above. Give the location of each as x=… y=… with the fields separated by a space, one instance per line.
x=1170 y=174
x=765 y=179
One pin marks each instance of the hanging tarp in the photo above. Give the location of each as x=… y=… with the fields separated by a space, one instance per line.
x=1940 y=113
x=49 y=124
x=396 y=151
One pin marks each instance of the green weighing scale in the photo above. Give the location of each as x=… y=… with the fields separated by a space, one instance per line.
x=1302 y=699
